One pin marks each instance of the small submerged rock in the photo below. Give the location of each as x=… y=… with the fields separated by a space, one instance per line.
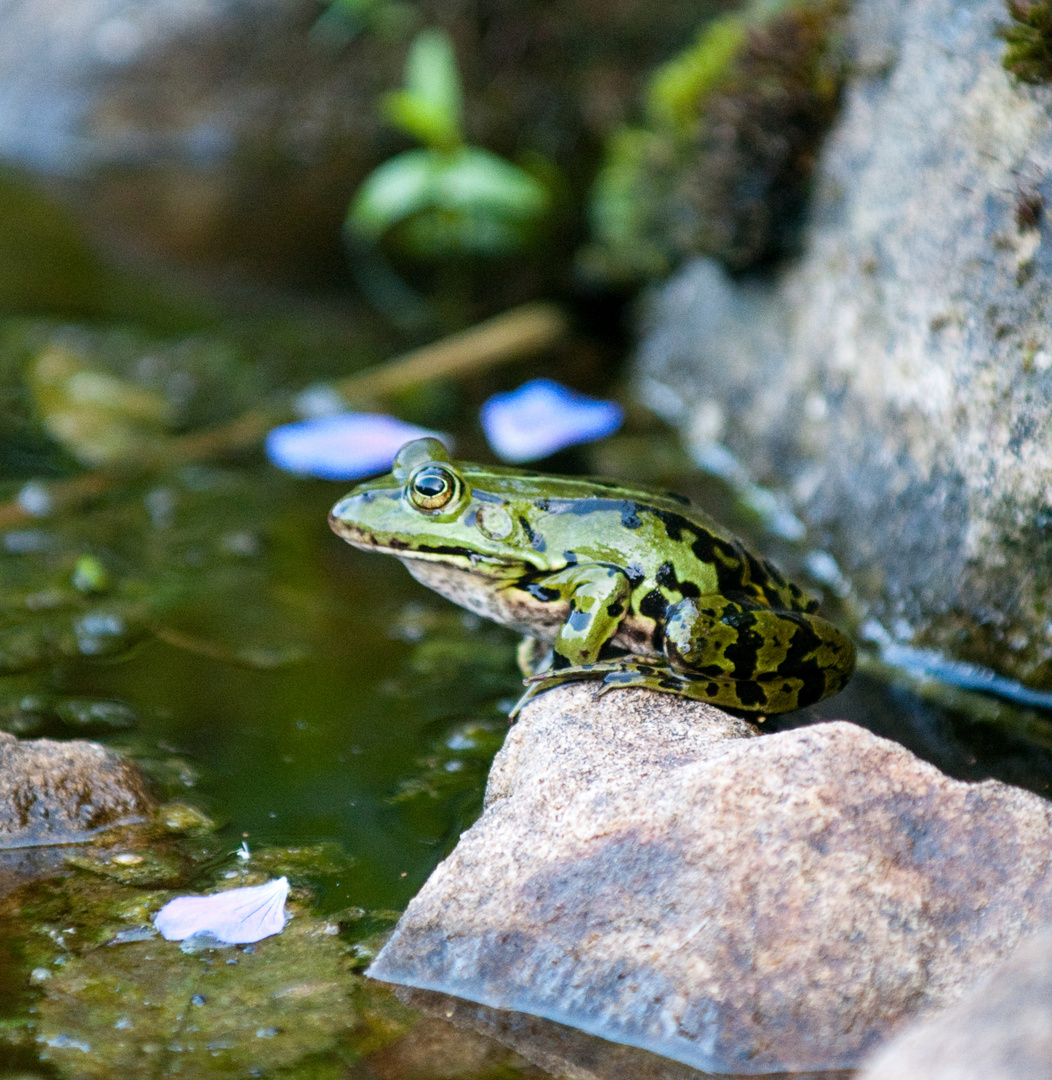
x=64 y=792
x=647 y=872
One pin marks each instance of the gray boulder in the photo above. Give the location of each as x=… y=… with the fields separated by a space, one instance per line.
x=896 y=381
x=647 y=871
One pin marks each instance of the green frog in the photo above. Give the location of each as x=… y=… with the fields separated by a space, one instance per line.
x=621 y=585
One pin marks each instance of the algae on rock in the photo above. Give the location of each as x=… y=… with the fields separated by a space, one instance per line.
x=722 y=164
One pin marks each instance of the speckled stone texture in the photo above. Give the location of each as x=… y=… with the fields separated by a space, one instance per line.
x=62 y=792
x=647 y=872
x=1000 y=1030
x=896 y=381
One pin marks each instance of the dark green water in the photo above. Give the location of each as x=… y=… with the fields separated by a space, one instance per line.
x=374 y=733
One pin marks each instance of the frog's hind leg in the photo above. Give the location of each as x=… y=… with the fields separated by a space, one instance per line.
x=640 y=672
x=761 y=696
x=758 y=658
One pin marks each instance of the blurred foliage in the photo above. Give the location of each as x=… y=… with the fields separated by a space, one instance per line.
x=1028 y=38
x=343 y=20
x=449 y=198
x=678 y=89
x=722 y=163
x=112 y=395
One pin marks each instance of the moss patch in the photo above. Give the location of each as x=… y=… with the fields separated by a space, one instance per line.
x=722 y=164
x=103 y=995
x=1028 y=55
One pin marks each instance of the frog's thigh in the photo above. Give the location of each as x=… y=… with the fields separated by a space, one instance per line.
x=713 y=637
x=598 y=595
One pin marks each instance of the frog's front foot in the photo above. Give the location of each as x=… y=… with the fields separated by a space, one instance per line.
x=609 y=675
x=540 y=681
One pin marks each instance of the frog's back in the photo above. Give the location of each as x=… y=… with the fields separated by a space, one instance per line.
x=672 y=544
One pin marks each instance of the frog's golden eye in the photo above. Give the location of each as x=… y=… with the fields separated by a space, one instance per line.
x=432 y=488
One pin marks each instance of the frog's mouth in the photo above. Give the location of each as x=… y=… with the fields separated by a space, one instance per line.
x=451 y=554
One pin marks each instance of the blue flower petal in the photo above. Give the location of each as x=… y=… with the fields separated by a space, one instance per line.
x=347 y=446
x=543 y=416
x=235 y=917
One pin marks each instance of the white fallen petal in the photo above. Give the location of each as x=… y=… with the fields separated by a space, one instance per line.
x=543 y=416
x=235 y=917
x=347 y=446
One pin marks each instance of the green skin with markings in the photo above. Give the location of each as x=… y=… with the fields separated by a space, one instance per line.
x=628 y=587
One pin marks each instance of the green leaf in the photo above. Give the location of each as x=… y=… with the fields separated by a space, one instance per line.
x=420 y=119
x=396 y=190
x=431 y=106
x=431 y=73
x=478 y=182
x=678 y=88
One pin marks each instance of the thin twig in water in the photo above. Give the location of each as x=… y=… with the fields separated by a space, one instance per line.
x=520 y=332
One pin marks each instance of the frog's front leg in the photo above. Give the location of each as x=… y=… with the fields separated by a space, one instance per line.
x=597 y=594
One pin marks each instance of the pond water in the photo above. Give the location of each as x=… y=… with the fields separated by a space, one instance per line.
x=351 y=705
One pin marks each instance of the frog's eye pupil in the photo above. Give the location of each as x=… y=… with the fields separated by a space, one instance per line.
x=431 y=489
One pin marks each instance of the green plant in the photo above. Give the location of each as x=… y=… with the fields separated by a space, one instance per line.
x=1028 y=55
x=448 y=198
x=722 y=163
x=677 y=90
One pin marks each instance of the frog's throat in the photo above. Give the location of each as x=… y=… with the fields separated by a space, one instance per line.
x=492 y=594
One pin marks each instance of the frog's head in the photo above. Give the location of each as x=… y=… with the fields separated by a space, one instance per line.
x=430 y=508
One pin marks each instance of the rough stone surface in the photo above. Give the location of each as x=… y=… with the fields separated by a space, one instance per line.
x=63 y=792
x=1000 y=1030
x=742 y=905
x=897 y=380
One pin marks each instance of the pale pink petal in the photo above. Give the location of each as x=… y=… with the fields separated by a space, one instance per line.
x=235 y=917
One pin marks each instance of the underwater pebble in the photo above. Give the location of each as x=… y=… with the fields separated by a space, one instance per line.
x=543 y=416
x=233 y=917
x=134 y=933
x=61 y=792
x=644 y=872
x=344 y=447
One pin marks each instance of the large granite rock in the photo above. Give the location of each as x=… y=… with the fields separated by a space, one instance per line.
x=65 y=792
x=897 y=380
x=1000 y=1030
x=648 y=872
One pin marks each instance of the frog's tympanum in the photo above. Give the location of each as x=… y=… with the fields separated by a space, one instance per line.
x=626 y=586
